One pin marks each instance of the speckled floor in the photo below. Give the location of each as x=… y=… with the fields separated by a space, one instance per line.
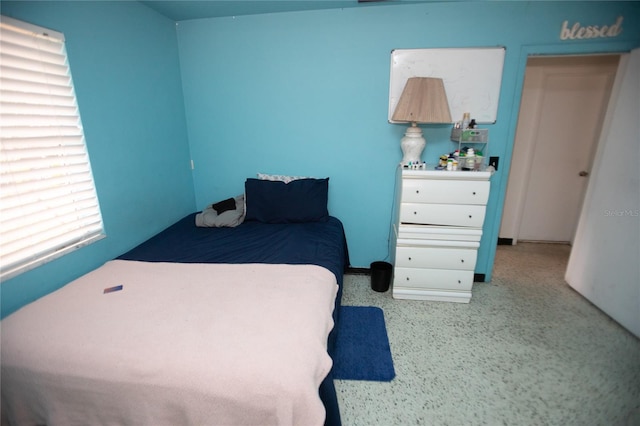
x=527 y=350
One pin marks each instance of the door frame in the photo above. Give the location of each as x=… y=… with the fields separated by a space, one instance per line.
x=513 y=79
x=529 y=150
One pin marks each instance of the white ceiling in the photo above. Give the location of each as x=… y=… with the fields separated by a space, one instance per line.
x=180 y=10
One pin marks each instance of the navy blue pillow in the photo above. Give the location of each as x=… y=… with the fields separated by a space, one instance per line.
x=301 y=200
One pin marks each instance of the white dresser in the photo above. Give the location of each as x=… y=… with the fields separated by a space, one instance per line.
x=437 y=225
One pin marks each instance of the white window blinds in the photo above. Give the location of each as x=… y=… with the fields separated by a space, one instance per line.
x=48 y=202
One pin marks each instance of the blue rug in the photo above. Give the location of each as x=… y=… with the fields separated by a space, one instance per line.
x=362 y=347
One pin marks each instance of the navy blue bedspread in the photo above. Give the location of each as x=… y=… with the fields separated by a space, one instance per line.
x=316 y=243
x=311 y=243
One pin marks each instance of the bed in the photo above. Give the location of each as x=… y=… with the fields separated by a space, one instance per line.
x=197 y=325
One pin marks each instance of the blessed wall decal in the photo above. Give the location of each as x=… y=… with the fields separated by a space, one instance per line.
x=577 y=31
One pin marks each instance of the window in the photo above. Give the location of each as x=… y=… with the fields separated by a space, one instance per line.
x=48 y=201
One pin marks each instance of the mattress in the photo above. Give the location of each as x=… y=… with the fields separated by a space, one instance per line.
x=178 y=344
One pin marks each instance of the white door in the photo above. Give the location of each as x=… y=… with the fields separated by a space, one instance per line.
x=563 y=104
x=603 y=265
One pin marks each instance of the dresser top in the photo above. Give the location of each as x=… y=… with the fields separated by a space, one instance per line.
x=431 y=173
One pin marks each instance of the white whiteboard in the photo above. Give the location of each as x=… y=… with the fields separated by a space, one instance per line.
x=472 y=78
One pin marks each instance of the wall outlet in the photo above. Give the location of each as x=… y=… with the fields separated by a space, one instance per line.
x=493 y=161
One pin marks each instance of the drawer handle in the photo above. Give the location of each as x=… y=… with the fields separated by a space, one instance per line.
x=462 y=260
x=417 y=191
x=409 y=258
x=470 y=216
x=407 y=278
x=459 y=282
x=415 y=212
x=474 y=192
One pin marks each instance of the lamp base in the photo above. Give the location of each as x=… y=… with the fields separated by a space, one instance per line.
x=412 y=145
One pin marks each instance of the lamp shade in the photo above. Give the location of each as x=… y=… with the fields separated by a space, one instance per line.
x=423 y=100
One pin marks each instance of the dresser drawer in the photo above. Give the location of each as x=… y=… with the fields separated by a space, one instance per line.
x=442 y=214
x=446 y=235
x=433 y=279
x=445 y=192
x=436 y=258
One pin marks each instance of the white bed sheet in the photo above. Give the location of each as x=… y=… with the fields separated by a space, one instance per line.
x=180 y=344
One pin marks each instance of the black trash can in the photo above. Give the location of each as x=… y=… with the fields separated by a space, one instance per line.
x=381 y=276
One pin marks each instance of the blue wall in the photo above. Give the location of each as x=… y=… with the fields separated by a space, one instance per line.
x=306 y=93
x=297 y=93
x=124 y=61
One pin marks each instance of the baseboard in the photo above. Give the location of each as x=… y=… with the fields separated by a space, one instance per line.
x=505 y=241
x=357 y=271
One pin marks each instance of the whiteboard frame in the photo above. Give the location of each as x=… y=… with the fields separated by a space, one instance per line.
x=472 y=78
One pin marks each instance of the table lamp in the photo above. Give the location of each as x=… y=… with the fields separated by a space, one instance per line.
x=423 y=100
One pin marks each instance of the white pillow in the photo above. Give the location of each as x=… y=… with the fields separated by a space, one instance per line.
x=280 y=178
